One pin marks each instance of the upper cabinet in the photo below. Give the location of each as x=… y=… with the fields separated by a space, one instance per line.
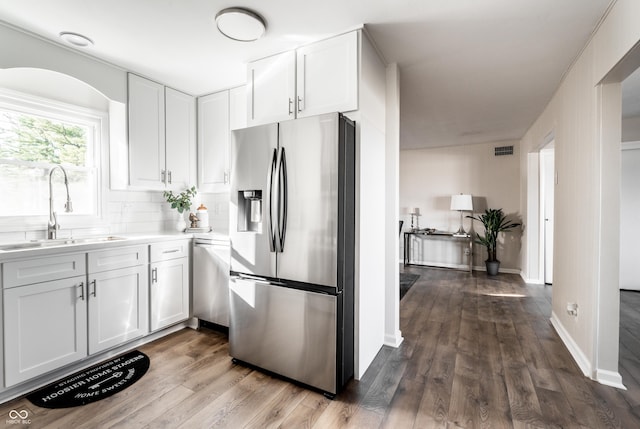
x=271 y=89
x=213 y=142
x=161 y=136
x=327 y=76
x=318 y=78
x=218 y=115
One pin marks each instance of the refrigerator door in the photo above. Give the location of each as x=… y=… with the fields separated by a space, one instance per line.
x=251 y=227
x=288 y=331
x=308 y=171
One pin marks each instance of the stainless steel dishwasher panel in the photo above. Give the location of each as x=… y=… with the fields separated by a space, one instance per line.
x=211 y=281
x=287 y=331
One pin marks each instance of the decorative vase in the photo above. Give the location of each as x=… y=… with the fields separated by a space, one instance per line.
x=181 y=224
x=492 y=267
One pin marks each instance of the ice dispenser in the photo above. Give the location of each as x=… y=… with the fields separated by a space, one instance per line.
x=250 y=210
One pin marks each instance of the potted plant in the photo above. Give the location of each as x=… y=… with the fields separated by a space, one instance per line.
x=494 y=222
x=180 y=202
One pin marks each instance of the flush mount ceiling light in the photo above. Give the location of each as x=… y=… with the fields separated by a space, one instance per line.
x=240 y=24
x=76 y=39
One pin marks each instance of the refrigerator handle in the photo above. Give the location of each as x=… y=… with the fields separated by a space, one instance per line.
x=272 y=171
x=282 y=199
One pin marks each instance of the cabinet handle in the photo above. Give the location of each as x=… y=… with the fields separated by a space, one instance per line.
x=163 y=175
x=81 y=290
x=290 y=106
x=95 y=288
x=169 y=176
x=154 y=275
x=226 y=177
x=299 y=104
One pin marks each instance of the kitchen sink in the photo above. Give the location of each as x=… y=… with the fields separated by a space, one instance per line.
x=35 y=244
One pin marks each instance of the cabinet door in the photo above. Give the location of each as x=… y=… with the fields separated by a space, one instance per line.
x=327 y=76
x=169 y=292
x=146 y=133
x=238 y=108
x=271 y=89
x=180 y=120
x=213 y=142
x=118 y=303
x=45 y=327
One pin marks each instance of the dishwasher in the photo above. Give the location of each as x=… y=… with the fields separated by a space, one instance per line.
x=211 y=255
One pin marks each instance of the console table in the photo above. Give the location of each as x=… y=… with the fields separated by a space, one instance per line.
x=430 y=234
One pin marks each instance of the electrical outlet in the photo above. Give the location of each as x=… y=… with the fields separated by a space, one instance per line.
x=572 y=309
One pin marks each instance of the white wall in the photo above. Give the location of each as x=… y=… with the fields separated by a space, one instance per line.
x=581 y=116
x=428 y=178
x=393 y=335
x=371 y=264
x=629 y=212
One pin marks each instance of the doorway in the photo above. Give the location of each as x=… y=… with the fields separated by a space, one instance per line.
x=547 y=183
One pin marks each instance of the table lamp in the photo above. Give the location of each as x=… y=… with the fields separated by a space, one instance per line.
x=461 y=203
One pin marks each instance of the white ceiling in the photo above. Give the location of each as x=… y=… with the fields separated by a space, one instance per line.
x=471 y=71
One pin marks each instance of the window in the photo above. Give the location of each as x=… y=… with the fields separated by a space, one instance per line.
x=37 y=134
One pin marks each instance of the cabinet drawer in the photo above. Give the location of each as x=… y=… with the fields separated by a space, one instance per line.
x=169 y=250
x=39 y=270
x=112 y=259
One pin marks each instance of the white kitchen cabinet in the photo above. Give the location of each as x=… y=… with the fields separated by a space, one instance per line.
x=238 y=108
x=318 y=78
x=180 y=138
x=213 y=142
x=161 y=136
x=169 y=287
x=146 y=133
x=271 y=89
x=118 y=296
x=327 y=76
x=45 y=327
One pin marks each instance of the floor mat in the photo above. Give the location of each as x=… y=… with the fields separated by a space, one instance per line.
x=406 y=281
x=93 y=384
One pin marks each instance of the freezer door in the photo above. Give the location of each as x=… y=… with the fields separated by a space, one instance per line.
x=287 y=331
x=310 y=148
x=253 y=153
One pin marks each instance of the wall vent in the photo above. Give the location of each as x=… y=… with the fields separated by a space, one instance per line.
x=503 y=150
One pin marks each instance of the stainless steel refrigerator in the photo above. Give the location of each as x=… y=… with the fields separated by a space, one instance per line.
x=292 y=226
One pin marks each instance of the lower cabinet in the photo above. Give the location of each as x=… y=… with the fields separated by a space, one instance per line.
x=118 y=303
x=45 y=327
x=169 y=287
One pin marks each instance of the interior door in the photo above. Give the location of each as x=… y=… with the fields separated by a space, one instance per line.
x=548 y=183
x=310 y=164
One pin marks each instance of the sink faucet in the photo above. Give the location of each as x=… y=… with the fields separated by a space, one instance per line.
x=53 y=227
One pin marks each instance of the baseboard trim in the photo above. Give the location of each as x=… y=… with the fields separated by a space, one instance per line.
x=578 y=356
x=530 y=281
x=610 y=378
x=393 y=340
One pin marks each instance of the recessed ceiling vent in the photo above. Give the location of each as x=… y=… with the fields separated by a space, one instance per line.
x=503 y=150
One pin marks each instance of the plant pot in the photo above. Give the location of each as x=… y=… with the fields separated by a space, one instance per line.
x=492 y=267
x=181 y=224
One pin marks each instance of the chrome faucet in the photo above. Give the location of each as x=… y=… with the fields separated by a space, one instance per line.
x=53 y=226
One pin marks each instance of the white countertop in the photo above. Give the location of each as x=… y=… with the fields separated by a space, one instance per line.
x=63 y=245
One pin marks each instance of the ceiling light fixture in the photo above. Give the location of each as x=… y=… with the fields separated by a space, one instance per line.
x=240 y=24
x=76 y=39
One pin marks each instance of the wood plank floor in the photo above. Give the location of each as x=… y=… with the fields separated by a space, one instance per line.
x=478 y=353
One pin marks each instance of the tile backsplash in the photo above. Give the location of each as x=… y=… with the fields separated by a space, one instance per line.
x=136 y=212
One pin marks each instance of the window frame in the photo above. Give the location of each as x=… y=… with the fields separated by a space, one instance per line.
x=99 y=121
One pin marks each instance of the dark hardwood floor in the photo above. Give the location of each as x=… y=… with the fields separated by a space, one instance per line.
x=478 y=353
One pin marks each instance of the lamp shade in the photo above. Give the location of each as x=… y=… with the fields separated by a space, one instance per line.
x=462 y=202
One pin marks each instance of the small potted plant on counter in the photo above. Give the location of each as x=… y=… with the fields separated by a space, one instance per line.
x=494 y=222
x=182 y=203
